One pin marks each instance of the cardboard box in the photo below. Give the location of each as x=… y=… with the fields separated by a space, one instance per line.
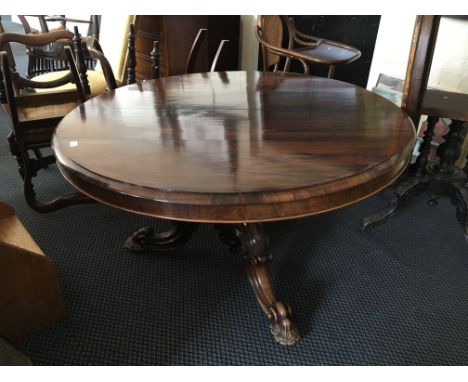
x=30 y=295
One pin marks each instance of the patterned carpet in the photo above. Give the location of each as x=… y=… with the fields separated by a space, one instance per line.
x=397 y=295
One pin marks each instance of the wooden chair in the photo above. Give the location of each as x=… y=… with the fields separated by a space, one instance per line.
x=43 y=59
x=53 y=63
x=131 y=56
x=34 y=115
x=214 y=63
x=155 y=54
x=307 y=49
x=95 y=82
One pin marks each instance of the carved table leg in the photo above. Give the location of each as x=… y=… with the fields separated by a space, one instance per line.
x=251 y=241
x=146 y=239
x=405 y=191
x=449 y=150
x=415 y=185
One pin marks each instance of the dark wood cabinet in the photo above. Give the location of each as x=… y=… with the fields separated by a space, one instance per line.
x=176 y=34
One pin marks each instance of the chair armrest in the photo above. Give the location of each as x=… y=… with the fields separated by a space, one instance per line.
x=313 y=42
x=105 y=66
x=299 y=37
x=306 y=40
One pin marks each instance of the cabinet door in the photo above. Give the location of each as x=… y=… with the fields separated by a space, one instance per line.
x=224 y=28
x=176 y=34
x=180 y=31
x=147 y=30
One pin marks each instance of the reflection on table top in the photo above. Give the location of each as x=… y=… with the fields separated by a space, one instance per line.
x=231 y=137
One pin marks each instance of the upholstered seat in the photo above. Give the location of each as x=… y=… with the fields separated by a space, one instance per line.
x=97 y=82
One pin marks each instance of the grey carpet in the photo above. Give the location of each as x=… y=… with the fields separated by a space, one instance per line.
x=396 y=295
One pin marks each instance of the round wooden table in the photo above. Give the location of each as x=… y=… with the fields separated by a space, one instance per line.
x=234 y=149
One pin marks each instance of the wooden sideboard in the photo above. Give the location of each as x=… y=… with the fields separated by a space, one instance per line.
x=176 y=34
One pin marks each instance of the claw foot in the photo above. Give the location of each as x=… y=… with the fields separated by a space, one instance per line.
x=284 y=331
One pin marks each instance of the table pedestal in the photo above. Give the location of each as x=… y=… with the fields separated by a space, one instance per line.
x=440 y=179
x=248 y=240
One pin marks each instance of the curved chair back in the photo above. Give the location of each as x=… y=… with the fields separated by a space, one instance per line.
x=15 y=84
x=270 y=34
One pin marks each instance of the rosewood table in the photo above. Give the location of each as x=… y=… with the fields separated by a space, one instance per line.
x=234 y=149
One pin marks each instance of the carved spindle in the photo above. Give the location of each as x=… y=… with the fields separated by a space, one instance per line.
x=80 y=63
x=450 y=149
x=131 y=59
x=251 y=241
x=425 y=147
x=155 y=55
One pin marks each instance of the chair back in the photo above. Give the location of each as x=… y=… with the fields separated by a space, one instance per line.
x=193 y=54
x=90 y=47
x=50 y=58
x=271 y=31
x=19 y=91
x=270 y=34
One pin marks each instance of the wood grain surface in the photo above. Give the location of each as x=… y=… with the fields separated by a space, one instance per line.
x=234 y=147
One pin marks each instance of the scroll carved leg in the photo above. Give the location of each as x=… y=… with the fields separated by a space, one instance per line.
x=251 y=242
x=405 y=191
x=415 y=185
x=146 y=239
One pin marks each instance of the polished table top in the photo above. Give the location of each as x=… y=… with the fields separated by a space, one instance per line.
x=234 y=146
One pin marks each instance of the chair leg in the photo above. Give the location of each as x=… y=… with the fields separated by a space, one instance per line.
x=331 y=71
x=40 y=158
x=14 y=150
x=30 y=170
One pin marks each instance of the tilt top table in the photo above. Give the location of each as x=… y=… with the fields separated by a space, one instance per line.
x=234 y=149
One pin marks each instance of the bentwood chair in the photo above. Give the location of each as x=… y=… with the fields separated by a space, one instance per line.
x=307 y=49
x=34 y=115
